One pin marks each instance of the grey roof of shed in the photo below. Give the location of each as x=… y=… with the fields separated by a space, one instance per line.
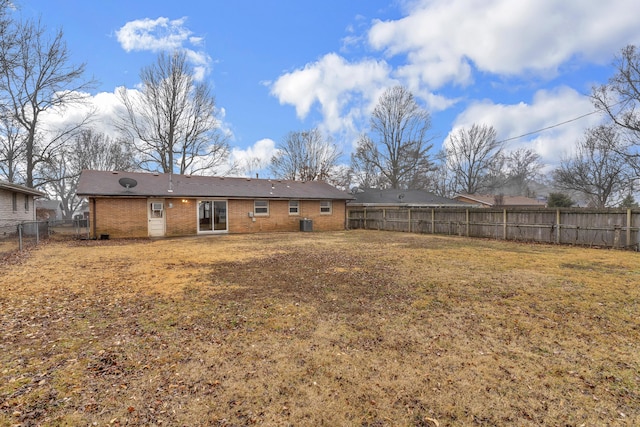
x=375 y=197
x=107 y=184
x=5 y=185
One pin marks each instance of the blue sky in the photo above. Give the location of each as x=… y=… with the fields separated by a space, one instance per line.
x=284 y=65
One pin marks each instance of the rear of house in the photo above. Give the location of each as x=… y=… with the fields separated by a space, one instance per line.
x=17 y=204
x=129 y=204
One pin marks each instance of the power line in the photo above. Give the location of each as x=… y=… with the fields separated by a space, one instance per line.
x=549 y=127
x=561 y=123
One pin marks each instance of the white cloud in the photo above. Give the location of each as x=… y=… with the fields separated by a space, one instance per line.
x=103 y=107
x=254 y=159
x=439 y=44
x=153 y=34
x=341 y=88
x=442 y=38
x=163 y=34
x=548 y=108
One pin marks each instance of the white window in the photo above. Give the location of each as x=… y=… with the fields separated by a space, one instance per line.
x=325 y=207
x=294 y=207
x=261 y=207
x=156 y=209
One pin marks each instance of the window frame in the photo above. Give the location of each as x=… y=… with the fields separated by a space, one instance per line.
x=210 y=210
x=327 y=209
x=156 y=213
x=257 y=210
x=26 y=203
x=294 y=209
x=14 y=201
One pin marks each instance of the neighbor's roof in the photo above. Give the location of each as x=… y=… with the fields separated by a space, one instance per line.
x=5 y=185
x=490 y=200
x=52 y=205
x=101 y=183
x=375 y=197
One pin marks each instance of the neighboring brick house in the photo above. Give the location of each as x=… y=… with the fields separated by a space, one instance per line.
x=130 y=204
x=494 y=201
x=17 y=203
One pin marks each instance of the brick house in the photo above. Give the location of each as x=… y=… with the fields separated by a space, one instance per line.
x=17 y=203
x=132 y=204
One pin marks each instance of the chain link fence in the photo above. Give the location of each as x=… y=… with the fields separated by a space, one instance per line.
x=21 y=236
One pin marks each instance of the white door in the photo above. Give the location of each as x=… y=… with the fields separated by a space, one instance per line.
x=156 y=215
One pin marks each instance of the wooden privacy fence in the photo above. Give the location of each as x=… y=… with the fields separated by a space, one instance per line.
x=613 y=228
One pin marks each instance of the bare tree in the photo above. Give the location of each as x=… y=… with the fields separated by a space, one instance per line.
x=250 y=166
x=7 y=32
x=36 y=76
x=474 y=157
x=397 y=147
x=12 y=151
x=620 y=99
x=89 y=150
x=522 y=167
x=171 y=120
x=341 y=177
x=365 y=173
x=305 y=156
x=97 y=151
x=441 y=179
x=598 y=170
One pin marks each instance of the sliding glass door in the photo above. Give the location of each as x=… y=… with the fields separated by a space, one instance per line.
x=212 y=216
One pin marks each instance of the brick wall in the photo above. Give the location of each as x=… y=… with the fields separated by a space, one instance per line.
x=119 y=217
x=128 y=217
x=181 y=217
x=279 y=218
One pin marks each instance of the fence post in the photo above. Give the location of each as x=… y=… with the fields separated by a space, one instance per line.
x=409 y=220
x=504 y=224
x=628 y=242
x=20 y=237
x=557 y=226
x=433 y=221
x=37 y=233
x=467 y=225
x=365 y=218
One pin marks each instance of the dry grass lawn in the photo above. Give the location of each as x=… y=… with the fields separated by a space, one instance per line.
x=356 y=328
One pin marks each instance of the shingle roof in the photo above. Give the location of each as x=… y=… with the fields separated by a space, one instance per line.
x=401 y=198
x=48 y=204
x=20 y=188
x=490 y=200
x=101 y=183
